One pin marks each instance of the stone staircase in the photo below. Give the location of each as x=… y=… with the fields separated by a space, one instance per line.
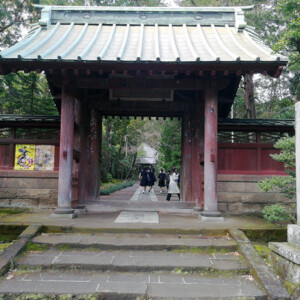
x=130 y=266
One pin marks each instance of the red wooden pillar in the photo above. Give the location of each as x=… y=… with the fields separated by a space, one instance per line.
x=90 y=153
x=95 y=137
x=84 y=152
x=66 y=152
x=210 y=152
x=197 y=153
x=186 y=159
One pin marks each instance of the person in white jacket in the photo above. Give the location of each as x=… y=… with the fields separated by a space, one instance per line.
x=173 y=187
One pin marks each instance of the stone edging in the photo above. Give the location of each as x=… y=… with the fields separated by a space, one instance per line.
x=14 y=249
x=263 y=273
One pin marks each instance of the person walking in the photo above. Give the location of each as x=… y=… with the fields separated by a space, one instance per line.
x=151 y=179
x=144 y=179
x=173 y=187
x=161 y=180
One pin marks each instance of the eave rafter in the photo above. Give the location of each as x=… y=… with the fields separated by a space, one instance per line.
x=175 y=69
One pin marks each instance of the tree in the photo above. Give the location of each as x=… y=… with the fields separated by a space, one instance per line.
x=14 y=15
x=289 y=40
x=170 y=144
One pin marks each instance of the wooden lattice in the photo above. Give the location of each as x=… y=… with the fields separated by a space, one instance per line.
x=37 y=133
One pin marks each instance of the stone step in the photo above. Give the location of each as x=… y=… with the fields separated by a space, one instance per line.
x=135 y=261
x=113 y=285
x=137 y=241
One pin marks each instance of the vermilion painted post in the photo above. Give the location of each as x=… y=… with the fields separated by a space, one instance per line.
x=95 y=152
x=66 y=152
x=186 y=159
x=84 y=152
x=210 y=152
x=197 y=153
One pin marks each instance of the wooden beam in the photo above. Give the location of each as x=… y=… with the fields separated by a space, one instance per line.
x=130 y=83
x=278 y=72
x=127 y=107
x=4 y=141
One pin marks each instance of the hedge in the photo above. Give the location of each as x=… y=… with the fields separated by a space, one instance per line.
x=117 y=187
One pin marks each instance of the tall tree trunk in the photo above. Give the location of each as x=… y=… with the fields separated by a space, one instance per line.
x=249 y=96
x=132 y=165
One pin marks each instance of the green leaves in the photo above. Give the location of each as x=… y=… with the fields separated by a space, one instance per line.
x=283 y=184
x=22 y=93
x=170 y=144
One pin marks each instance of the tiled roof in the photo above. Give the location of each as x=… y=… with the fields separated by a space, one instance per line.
x=95 y=34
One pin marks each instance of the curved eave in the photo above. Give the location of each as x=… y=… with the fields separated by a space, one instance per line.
x=180 y=45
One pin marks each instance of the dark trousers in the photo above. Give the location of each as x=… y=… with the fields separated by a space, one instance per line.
x=169 y=197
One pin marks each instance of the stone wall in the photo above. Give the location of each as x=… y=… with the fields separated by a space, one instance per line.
x=237 y=194
x=240 y=194
x=28 y=188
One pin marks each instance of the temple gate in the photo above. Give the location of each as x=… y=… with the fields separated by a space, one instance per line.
x=124 y=61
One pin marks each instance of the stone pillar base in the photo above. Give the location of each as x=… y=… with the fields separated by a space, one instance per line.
x=210 y=219
x=198 y=208
x=64 y=213
x=211 y=215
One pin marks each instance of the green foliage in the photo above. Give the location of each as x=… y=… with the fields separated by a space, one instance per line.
x=170 y=144
x=14 y=15
x=284 y=184
x=35 y=247
x=5 y=211
x=117 y=187
x=278 y=214
x=119 y=147
x=22 y=93
x=3 y=246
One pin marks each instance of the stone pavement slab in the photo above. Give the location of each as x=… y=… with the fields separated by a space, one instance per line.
x=137 y=217
x=160 y=285
x=136 y=241
x=131 y=260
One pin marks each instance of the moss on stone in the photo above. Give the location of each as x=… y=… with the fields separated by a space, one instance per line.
x=35 y=247
x=3 y=246
x=293 y=289
x=64 y=247
x=205 y=250
x=262 y=249
x=266 y=235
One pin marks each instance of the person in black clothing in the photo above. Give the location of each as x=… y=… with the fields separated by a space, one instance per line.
x=151 y=179
x=144 y=179
x=161 y=180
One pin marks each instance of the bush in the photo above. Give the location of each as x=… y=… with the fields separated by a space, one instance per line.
x=283 y=184
x=117 y=187
x=278 y=214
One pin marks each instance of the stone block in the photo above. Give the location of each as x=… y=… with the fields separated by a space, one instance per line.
x=222 y=207
x=229 y=197
x=240 y=187
x=235 y=207
x=24 y=202
x=47 y=203
x=289 y=251
x=252 y=208
x=7 y=193
x=293 y=234
x=47 y=183
x=287 y=270
x=33 y=193
x=19 y=183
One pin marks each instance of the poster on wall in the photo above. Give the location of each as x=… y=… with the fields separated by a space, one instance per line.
x=24 y=157
x=44 y=157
